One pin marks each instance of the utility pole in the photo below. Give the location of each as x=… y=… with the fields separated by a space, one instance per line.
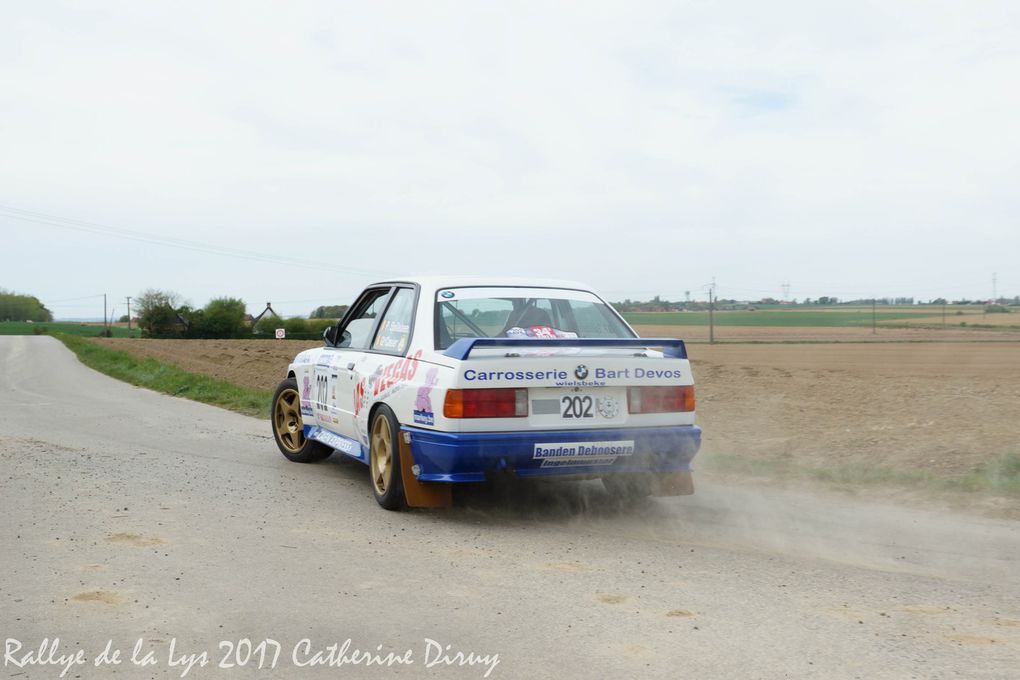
x=129 y=315
x=104 y=314
x=711 y=315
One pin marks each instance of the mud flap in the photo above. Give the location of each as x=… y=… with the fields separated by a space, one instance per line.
x=421 y=494
x=673 y=484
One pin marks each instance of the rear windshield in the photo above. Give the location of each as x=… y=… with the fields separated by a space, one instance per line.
x=523 y=313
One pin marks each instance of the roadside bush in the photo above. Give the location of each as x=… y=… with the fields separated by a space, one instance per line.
x=266 y=326
x=221 y=318
x=997 y=309
x=316 y=326
x=157 y=314
x=328 y=312
x=296 y=326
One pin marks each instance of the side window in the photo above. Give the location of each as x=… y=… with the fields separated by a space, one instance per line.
x=358 y=332
x=395 y=330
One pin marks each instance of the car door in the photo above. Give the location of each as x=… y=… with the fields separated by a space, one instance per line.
x=334 y=382
x=373 y=372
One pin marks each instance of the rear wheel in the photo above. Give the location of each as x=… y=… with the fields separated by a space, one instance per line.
x=384 y=459
x=289 y=428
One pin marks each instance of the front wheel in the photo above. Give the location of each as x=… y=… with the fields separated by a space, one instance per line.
x=384 y=459
x=289 y=427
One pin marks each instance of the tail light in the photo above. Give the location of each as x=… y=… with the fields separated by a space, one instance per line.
x=506 y=402
x=667 y=399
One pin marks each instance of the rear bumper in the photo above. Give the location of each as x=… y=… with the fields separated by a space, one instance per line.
x=468 y=456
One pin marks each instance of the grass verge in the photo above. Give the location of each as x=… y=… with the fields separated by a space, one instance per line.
x=167 y=378
x=54 y=327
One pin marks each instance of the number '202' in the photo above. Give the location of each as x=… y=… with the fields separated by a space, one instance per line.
x=577 y=407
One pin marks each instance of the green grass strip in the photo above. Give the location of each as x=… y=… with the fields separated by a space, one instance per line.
x=782 y=319
x=54 y=327
x=167 y=378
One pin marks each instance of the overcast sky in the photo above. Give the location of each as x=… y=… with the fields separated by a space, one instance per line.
x=845 y=148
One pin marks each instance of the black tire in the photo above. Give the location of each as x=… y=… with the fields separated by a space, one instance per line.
x=288 y=426
x=384 y=459
x=628 y=487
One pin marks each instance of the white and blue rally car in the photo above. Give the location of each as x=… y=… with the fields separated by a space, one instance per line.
x=433 y=381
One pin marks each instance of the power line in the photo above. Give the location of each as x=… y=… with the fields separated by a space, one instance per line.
x=166 y=241
x=83 y=297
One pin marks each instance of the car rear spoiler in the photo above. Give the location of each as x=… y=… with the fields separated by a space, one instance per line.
x=671 y=347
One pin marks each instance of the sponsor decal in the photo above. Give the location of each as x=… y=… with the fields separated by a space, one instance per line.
x=538 y=332
x=306 y=397
x=333 y=440
x=637 y=373
x=383 y=379
x=567 y=462
x=482 y=376
x=423 y=414
x=583 y=376
x=640 y=373
x=565 y=454
x=608 y=407
x=392 y=335
x=581 y=383
x=584 y=449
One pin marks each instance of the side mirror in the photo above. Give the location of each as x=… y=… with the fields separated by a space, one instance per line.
x=329 y=335
x=345 y=339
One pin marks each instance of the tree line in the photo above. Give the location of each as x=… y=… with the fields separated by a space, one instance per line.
x=17 y=307
x=163 y=314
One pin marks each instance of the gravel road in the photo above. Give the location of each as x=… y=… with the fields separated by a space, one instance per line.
x=130 y=515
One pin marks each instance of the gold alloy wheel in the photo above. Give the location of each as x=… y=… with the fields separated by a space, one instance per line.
x=290 y=430
x=381 y=454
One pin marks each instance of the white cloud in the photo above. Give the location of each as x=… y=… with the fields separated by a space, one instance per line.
x=642 y=147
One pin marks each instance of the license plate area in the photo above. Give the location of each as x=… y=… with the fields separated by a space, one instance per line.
x=579 y=407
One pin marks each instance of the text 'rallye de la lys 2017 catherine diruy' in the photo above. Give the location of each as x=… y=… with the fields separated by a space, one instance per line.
x=435 y=381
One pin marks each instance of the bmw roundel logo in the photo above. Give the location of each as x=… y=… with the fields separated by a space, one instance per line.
x=447 y=294
x=581 y=372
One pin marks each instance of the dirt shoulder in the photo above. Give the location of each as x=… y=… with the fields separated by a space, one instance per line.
x=939 y=407
x=931 y=408
x=258 y=364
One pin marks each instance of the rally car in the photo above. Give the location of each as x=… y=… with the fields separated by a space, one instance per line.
x=436 y=381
